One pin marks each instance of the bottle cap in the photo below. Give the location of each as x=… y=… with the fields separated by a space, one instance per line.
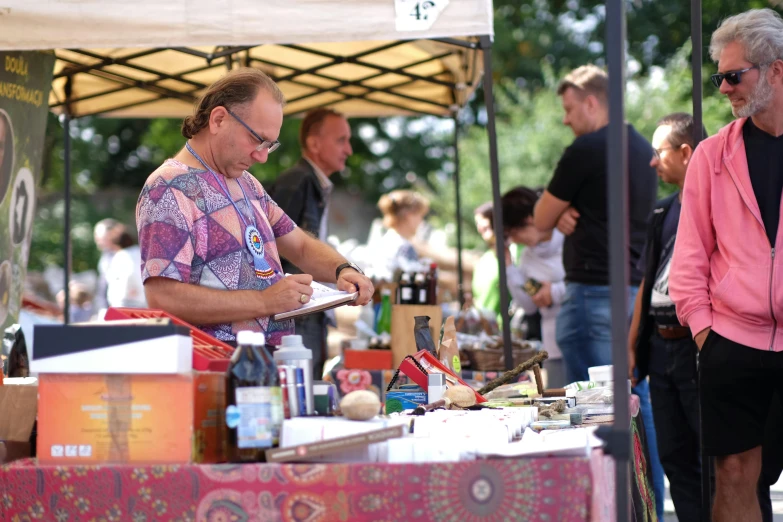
x=436 y=379
x=291 y=341
x=259 y=339
x=386 y=291
x=245 y=337
x=292 y=349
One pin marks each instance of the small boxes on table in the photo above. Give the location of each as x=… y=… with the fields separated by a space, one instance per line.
x=125 y=394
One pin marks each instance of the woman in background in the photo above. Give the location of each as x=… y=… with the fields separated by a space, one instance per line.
x=403 y=211
x=485 y=284
x=537 y=283
x=123 y=277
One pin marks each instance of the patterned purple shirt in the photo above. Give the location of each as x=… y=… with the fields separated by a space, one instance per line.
x=190 y=232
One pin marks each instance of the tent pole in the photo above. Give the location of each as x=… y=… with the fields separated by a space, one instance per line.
x=618 y=436
x=67 y=196
x=460 y=274
x=698 y=135
x=696 y=62
x=497 y=208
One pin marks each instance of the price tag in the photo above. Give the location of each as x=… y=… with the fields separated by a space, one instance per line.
x=417 y=15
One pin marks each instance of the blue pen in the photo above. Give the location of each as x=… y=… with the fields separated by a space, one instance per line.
x=300 y=390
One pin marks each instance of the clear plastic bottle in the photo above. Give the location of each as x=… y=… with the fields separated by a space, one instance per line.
x=293 y=354
x=273 y=382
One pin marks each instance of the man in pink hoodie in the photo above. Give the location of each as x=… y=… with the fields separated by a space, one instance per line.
x=726 y=279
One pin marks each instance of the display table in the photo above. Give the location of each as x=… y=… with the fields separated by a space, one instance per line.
x=538 y=489
x=547 y=489
x=348 y=380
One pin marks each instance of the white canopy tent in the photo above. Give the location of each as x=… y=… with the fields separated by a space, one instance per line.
x=361 y=57
x=153 y=59
x=148 y=59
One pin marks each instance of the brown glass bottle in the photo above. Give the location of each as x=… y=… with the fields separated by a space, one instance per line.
x=249 y=415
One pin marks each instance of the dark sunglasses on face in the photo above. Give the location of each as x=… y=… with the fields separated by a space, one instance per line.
x=731 y=77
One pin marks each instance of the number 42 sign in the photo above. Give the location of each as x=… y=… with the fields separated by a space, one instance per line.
x=417 y=15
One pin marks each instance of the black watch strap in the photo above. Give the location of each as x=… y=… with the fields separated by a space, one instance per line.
x=343 y=267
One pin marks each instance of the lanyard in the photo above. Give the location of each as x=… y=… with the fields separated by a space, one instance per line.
x=253 y=238
x=224 y=189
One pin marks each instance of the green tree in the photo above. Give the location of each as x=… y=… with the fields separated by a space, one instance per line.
x=569 y=33
x=531 y=136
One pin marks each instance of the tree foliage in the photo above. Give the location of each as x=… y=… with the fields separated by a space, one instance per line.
x=531 y=136
x=536 y=41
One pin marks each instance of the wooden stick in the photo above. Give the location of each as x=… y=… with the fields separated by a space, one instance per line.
x=424 y=408
x=510 y=375
x=539 y=381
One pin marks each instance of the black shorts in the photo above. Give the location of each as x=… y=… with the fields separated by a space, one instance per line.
x=736 y=389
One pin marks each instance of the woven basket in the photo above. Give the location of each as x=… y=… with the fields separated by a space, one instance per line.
x=494 y=360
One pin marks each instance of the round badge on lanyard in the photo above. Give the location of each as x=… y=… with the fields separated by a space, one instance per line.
x=256 y=246
x=254 y=242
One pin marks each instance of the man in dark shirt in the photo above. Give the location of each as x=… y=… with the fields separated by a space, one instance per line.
x=658 y=345
x=576 y=202
x=304 y=193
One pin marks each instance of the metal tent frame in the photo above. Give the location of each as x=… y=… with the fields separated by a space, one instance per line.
x=128 y=70
x=397 y=97
x=121 y=73
x=618 y=436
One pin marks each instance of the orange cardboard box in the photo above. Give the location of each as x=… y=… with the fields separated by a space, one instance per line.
x=90 y=419
x=367 y=359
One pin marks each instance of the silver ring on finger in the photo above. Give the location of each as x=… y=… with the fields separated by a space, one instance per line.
x=303 y=298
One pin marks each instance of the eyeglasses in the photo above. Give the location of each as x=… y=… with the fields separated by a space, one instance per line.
x=264 y=144
x=657 y=152
x=731 y=77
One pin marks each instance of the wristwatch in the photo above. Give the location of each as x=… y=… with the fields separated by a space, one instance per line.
x=344 y=266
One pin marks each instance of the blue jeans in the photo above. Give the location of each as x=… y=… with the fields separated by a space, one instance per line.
x=584 y=328
x=584 y=335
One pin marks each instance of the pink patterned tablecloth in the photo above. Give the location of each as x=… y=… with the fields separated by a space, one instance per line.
x=532 y=490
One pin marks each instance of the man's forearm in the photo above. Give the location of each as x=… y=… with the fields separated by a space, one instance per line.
x=633 y=332
x=201 y=305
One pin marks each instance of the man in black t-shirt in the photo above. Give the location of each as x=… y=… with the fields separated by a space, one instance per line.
x=576 y=202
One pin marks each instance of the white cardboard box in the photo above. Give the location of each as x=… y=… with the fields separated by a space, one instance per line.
x=109 y=348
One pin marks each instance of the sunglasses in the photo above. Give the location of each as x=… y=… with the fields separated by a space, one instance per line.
x=731 y=77
x=264 y=144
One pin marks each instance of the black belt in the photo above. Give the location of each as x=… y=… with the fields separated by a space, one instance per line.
x=673 y=332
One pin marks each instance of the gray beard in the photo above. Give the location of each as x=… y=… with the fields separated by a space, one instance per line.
x=758 y=101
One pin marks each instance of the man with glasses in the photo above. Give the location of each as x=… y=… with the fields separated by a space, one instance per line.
x=304 y=193
x=726 y=277
x=210 y=235
x=658 y=345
